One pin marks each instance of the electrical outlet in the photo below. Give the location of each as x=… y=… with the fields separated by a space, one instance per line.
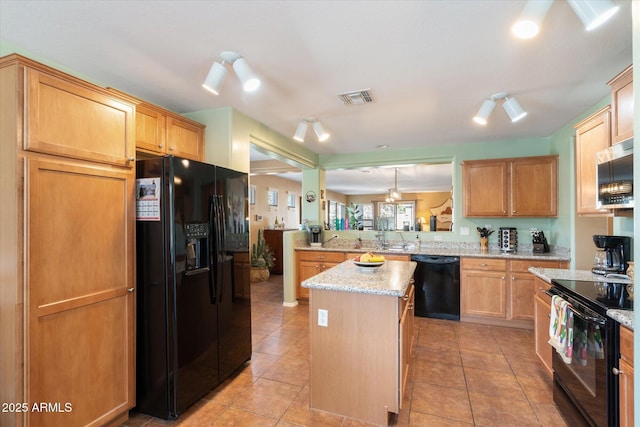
x=323 y=317
x=464 y=231
x=334 y=236
x=437 y=238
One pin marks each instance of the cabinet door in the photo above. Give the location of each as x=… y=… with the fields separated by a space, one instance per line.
x=184 y=139
x=150 y=130
x=70 y=120
x=485 y=189
x=80 y=226
x=483 y=294
x=306 y=269
x=534 y=186
x=622 y=106
x=626 y=393
x=543 y=348
x=592 y=135
x=406 y=339
x=523 y=288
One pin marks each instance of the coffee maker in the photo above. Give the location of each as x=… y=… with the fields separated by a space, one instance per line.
x=613 y=257
x=315 y=235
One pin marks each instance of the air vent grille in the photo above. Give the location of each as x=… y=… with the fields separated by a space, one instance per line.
x=356 y=97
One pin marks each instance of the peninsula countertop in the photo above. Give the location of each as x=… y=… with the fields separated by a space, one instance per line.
x=624 y=317
x=391 y=278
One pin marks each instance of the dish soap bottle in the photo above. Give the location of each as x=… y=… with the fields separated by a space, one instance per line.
x=418 y=242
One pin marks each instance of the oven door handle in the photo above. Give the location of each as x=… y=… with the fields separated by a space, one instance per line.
x=587 y=318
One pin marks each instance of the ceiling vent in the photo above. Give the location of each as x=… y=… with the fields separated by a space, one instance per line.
x=356 y=97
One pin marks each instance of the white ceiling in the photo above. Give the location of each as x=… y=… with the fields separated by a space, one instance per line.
x=429 y=64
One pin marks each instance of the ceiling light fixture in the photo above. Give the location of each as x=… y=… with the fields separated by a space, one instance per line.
x=510 y=105
x=593 y=13
x=528 y=24
x=250 y=82
x=318 y=129
x=394 y=193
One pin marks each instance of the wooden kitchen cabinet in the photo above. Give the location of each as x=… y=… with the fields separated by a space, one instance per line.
x=483 y=289
x=625 y=377
x=622 y=106
x=592 y=135
x=499 y=291
x=366 y=334
x=68 y=221
x=516 y=187
x=162 y=132
x=273 y=238
x=542 y=303
x=310 y=263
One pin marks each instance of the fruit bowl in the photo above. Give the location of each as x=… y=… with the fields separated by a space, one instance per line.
x=368 y=264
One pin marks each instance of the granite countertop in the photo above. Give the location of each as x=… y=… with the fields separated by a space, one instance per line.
x=624 y=317
x=390 y=279
x=450 y=249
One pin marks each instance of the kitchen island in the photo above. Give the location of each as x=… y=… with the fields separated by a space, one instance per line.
x=361 y=327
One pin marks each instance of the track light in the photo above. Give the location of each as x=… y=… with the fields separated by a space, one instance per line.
x=485 y=111
x=321 y=134
x=301 y=131
x=318 y=129
x=510 y=105
x=513 y=109
x=528 y=24
x=593 y=13
x=217 y=73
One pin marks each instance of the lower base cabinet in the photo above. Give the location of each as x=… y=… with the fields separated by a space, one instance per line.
x=360 y=360
x=310 y=263
x=544 y=351
x=498 y=291
x=625 y=377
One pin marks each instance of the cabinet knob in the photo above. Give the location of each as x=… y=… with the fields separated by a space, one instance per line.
x=513 y=211
x=410 y=306
x=160 y=145
x=405 y=298
x=617 y=371
x=131 y=159
x=131 y=290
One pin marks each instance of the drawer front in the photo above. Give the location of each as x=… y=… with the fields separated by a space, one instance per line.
x=626 y=344
x=483 y=264
x=321 y=256
x=540 y=287
x=523 y=266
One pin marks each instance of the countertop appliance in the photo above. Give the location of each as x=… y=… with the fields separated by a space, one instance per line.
x=193 y=312
x=437 y=282
x=586 y=390
x=315 y=235
x=615 y=254
x=614 y=175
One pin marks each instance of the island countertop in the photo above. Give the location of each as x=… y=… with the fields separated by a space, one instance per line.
x=391 y=279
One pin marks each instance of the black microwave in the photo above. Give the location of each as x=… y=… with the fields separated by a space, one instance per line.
x=614 y=174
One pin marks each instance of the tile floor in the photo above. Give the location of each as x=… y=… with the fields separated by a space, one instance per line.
x=463 y=375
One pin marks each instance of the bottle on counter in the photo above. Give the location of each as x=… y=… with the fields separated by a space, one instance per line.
x=418 y=242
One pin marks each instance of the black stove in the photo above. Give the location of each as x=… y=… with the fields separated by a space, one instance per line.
x=600 y=296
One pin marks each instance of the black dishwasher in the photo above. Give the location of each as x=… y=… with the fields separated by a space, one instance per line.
x=437 y=282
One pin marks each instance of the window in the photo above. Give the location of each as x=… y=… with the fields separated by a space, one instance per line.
x=291 y=200
x=396 y=216
x=252 y=194
x=272 y=197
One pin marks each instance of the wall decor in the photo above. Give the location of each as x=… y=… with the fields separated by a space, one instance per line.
x=310 y=196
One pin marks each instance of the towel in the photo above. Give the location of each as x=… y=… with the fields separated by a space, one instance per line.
x=561 y=328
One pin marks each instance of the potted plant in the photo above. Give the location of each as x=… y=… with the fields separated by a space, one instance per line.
x=355 y=216
x=261 y=259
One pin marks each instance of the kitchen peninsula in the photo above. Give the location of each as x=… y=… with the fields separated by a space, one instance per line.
x=361 y=326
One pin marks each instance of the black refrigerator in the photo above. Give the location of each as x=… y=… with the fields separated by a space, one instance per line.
x=193 y=312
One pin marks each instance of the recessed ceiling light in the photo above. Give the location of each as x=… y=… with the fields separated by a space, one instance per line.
x=382 y=146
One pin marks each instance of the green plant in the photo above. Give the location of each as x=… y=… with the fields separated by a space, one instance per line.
x=261 y=253
x=355 y=216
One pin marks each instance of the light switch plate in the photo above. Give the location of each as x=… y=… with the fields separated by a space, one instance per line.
x=323 y=317
x=464 y=231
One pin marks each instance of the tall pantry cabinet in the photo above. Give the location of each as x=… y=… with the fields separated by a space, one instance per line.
x=67 y=249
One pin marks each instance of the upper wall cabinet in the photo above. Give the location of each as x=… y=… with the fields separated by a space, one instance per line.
x=71 y=119
x=622 y=106
x=162 y=132
x=517 y=187
x=159 y=131
x=592 y=135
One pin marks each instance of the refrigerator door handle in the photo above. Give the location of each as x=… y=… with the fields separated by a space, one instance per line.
x=213 y=247
x=223 y=241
